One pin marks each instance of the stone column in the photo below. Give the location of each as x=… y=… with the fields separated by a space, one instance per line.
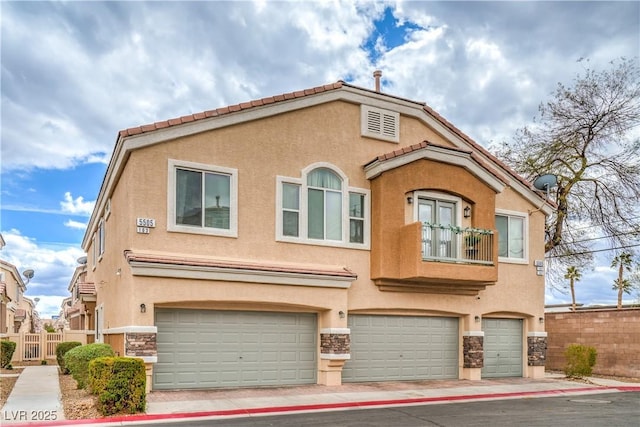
x=335 y=349
x=473 y=354
x=536 y=353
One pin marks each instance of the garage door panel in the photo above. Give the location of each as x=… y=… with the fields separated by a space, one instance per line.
x=205 y=349
x=503 y=346
x=402 y=348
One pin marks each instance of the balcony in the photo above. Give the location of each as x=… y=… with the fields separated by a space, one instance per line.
x=438 y=259
x=457 y=245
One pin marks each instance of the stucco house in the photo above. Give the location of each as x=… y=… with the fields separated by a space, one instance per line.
x=333 y=234
x=78 y=310
x=16 y=311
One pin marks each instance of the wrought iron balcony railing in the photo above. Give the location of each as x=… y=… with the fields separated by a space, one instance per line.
x=447 y=243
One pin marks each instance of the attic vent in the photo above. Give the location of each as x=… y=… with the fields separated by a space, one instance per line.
x=380 y=124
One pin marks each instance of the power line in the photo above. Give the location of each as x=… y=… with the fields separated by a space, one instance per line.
x=593 y=251
x=605 y=237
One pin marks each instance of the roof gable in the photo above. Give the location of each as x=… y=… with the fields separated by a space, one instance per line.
x=141 y=136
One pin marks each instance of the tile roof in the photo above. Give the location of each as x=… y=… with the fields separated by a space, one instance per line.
x=241 y=265
x=424 y=144
x=229 y=109
x=87 y=288
x=312 y=91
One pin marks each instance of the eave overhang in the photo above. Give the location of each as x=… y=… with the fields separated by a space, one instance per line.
x=160 y=265
x=441 y=154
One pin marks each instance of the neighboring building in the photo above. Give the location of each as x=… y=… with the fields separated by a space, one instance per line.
x=62 y=323
x=335 y=234
x=78 y=311
x=16 y=311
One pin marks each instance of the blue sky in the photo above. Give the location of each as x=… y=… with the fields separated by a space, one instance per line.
x=75 y=73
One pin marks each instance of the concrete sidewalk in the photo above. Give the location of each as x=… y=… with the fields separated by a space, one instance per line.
x=35 y=397
x=37 y=392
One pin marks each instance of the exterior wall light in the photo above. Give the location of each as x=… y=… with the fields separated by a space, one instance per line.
x=477 y=319
x=341 y=314
x=467 y=212
x=143 y=308
x=409 y=199
x=541 y=319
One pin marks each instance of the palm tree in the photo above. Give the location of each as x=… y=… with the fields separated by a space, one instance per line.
x=574 y=275
x=623 y=262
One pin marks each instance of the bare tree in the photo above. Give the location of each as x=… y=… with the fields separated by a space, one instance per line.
x=574 y=275
x=587 y=135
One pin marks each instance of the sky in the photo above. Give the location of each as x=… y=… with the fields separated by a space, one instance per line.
x=75 y=73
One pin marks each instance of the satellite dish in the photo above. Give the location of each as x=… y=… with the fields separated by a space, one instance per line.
x=545 y=182
x=82 y=260
x=37 y=300
x=28 y=273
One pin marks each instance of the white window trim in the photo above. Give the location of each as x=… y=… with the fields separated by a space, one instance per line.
x=525 y=233
x=303 y=214
x=434 y=195
x=94 y=259
x=101 y=239
x=107 y=209
x=233 y=199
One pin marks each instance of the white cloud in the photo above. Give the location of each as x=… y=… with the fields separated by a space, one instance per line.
x=75 y=224
x=76 y=206
x=53 y=267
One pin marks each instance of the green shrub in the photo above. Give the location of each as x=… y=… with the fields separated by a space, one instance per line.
x=120 y=383
x=580 y=360
x=100 y=371
x=61 y=350
x=77 y=360
x=6 y=352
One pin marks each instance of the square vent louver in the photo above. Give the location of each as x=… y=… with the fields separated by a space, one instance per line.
x=380 y=124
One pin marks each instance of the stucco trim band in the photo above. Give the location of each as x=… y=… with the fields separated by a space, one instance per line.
x=231 y=271
x=335 y=331
x=332 y=356
x=537 y=334
x=132 y=328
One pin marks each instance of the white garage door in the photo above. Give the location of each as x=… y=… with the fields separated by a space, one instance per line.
x=386 y=348
x=208 y=349
x=502 y=348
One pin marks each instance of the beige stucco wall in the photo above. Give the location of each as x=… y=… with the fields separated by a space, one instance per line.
x=282 y=146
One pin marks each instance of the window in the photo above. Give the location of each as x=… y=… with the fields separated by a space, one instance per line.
x=202 y=199
x=324 y=208
x=290 y=209
x=320 y=208
x=440 y=214
x=101 y=241
x=94 y=251
x=511 y=236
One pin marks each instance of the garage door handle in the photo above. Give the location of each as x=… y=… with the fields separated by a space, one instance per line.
x=240 y=357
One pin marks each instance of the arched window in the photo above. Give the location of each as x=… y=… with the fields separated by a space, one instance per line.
x=321 y=208
x=324 y=201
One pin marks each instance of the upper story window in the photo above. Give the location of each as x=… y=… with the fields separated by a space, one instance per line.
x=101 y=238
x=94 y=252
x=512 y=232
x=322 y=209
x=441 y=215
x=202 y=199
